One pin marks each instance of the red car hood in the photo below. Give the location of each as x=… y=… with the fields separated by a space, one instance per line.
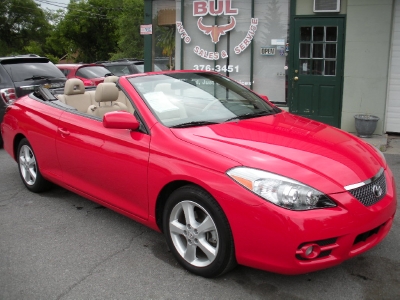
x=305 y=150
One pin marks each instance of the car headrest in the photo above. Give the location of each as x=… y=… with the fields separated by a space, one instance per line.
x=111 y=79
x=74 y=86
x=106 y=91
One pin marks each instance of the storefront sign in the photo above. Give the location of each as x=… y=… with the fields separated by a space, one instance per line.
x=183 y=33
x=146 y=29
x=249 y=37
x=267 y=50
x=278 y=42
x=202 y=8
x=215 y=31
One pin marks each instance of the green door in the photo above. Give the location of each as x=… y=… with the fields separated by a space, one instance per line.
x=316 y=75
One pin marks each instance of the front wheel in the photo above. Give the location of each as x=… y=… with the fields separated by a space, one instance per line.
x=29 y=168
x=198 y=233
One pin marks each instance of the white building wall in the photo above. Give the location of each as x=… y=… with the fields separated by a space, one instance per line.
x=367 y=48
x=393 y=101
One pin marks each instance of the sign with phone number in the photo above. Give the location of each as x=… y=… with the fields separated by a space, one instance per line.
x=217 y=68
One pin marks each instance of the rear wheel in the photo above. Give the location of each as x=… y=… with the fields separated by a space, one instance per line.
x=29 y=168
x=198 y=233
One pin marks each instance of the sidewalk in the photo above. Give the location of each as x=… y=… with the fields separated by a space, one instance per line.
x=389 y=144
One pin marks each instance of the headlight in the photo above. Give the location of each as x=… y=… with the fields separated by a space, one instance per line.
x=279 y=190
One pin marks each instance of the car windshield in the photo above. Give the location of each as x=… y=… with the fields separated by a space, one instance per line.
x=194 y=99
x=92 y=72
x=32 y=71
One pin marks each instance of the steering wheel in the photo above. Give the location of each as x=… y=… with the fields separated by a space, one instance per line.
x=208 y=106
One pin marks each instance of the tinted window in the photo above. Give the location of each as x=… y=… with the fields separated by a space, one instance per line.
x=140 y=67
x=25 y=71
x=65 y=71
x=120 y=70
x=92 y=72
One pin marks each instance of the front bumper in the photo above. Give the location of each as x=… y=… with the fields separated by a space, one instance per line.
x=278 y=240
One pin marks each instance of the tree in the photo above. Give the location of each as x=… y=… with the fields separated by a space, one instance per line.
x=22 y=23
x=91 y=28
x=56 y=44
x=130 y=42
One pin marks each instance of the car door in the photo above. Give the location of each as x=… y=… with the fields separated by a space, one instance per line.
x=108 y=164
x=39 y=123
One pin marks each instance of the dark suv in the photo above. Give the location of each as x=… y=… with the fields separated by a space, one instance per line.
x=20 y=75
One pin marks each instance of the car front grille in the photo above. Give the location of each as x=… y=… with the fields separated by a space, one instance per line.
x=372 y=192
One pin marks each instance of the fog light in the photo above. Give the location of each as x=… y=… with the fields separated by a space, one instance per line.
x=310 y=251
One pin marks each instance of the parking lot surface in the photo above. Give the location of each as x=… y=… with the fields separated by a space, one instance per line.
x=57 y=245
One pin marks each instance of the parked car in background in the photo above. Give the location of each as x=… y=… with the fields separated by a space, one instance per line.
x=22 y=74
x=227 y=176
x=90 y=74
x=126 y=66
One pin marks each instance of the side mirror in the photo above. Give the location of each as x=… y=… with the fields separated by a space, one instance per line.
x=264 y=97
x=120 y=120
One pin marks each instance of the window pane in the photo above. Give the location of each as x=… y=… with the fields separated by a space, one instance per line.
x=318 y=67
x=318 y=34
x=330 y=51
x=305 y=50
x=305 y=66
x=331 y=34
x=318 y=51
x=330 y=68
x=305 y=34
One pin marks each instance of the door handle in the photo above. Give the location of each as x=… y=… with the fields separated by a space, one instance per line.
x=296 y=78
x=63 y=131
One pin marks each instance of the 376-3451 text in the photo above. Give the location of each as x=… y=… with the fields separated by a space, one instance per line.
x=217 y=68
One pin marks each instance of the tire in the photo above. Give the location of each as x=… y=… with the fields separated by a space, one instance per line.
x=198 y=233
x=29 y=168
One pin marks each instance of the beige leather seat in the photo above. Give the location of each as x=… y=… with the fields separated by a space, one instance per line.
x=111 y=79
x=121 y=95
x=106 y=96
x=75 y=96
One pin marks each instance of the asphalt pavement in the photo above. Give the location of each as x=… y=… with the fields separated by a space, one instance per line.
x=57 y=245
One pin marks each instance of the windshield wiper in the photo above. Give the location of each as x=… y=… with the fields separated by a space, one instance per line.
x=192 y=124
x=251 y=115
x=38 y=77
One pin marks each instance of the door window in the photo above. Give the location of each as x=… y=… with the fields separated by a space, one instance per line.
x=318 y=50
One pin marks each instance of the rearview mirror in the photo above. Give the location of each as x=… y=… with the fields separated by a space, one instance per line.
x=120 y=120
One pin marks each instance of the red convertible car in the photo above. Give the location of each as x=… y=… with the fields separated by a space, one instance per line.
x=226 y=176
